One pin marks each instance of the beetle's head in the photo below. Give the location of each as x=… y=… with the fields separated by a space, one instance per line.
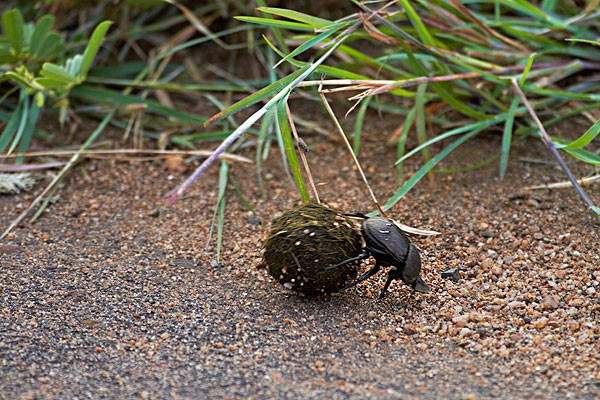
x=420 y=286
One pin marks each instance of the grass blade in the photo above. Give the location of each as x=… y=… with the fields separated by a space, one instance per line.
x=527 y=68
x=507 y=136
x=223 y=174
x=290 y=149
x=262 y=94
x=428 y=167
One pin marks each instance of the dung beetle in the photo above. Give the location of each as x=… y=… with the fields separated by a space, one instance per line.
x=390 y=247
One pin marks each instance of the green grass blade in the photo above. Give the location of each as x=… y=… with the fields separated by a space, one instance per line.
x=426 y=168
x=419 y=26
x=275 y=31
x=22 y=122
x=584 y=155
x=420 y=122
x=358 y=125
x=315 y=22
x=307 y=45
x=290 y=149
x=330 y=71
x=584 y=139
x=29 y=130
x=277 y=23
x=11 y=127
x=111 y=97
x=457 y=131
x=527 y=68
x=408 y=123
x=592 y=42
x=263 y=93
x=507 y=136
x=223 y=174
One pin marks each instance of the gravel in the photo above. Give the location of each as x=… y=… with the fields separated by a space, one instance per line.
x=111 y=295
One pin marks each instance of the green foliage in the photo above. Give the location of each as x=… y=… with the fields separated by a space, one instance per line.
x=402 y=61
x=27 y=52
x=462 y=55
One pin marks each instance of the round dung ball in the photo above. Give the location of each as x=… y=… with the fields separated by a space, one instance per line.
x=304 y=241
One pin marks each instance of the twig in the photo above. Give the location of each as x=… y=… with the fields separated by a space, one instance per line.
x=93 y=153
x=349 y=146
x=565 y=184
x=548 y=142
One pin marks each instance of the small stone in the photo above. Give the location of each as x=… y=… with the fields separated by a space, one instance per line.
x=497 y=270
x=540 y=323
x=254 y=220
x=591 y=290
x=487 y=263
x=549 y=303
x=460 y=320
x=453 y=274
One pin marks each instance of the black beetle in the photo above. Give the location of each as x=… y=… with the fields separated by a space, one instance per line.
x=390 y=247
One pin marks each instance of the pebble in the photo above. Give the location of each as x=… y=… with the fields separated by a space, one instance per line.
x=549 y=303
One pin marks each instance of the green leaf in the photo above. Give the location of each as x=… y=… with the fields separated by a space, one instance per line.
x=24 y=115
x=223 y=174
x=73 y=66
x=29 y=129
x=277 y=23
x=592 y=42
x=307 y=45
x=527 y=68
x=315 y=22
x=471 y=127
x=93 y=46
x=290 y=149
x=263 y=93
x=40 y=34
x=360 y=117
x=11 y=126
x=53 y=45
x=408 y=122
x=324 y=69
x=584 y=139
x=13 y=25
x=57 y=73
x=426 y=168
x=114 y=98
x=584 y=155
x=418 y=24
x=507 y=136
x=50 y=83
x=420 y=122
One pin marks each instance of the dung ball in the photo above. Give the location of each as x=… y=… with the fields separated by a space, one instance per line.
x=304 y=241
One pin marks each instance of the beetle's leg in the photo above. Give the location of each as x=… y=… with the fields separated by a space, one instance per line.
x=361 y=256
x=363 y=277
x=390 y=278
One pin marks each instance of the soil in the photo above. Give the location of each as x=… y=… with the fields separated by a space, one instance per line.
x=111 y=294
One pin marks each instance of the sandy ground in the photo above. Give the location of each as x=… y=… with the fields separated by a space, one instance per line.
x=112 y=295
